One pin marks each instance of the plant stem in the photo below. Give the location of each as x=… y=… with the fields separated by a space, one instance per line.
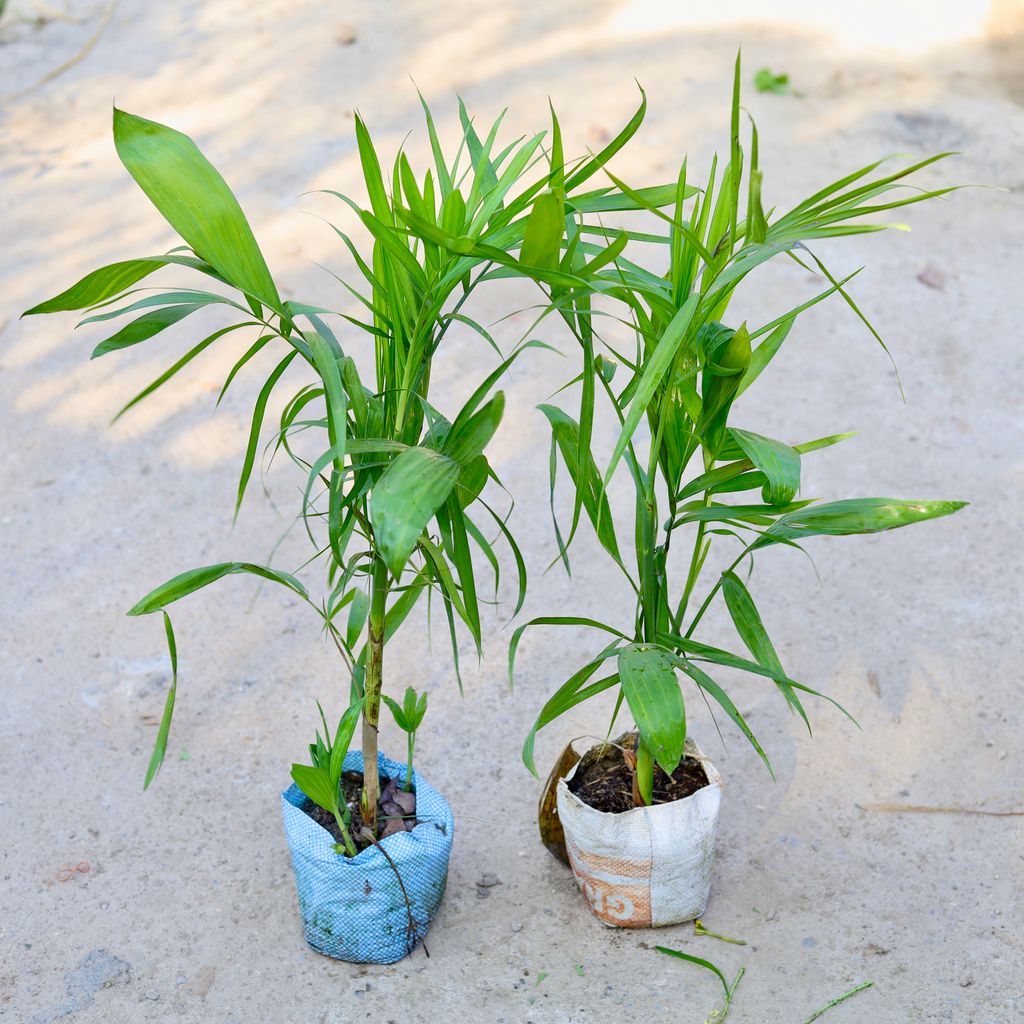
x=841 y=999
x=714 y=590
x=346 y=836
x=691 y=576
x=371 y=691
x=644 y=774
x=408 y=767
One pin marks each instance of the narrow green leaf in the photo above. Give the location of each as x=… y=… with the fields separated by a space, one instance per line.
x=855 y=515
x=585 y=478
x=172 y=370
x=143 y=328
x=160 y=747
x=751 y=631
x=343 y=740
x=99 y=285
x=706 y=964
x=255 y=427
x=195 y=579
x=706 y=683
x=466 y=441
x=654 y=370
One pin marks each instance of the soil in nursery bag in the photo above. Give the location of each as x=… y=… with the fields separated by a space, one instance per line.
x=396 y=810
x=605 y=782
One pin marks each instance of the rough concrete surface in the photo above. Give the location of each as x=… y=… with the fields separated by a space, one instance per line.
x=187 y=911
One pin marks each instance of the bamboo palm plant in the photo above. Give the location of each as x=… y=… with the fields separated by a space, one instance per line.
x=682 y=379
x=392 y=487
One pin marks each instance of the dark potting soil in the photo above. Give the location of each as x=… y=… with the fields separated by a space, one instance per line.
x=605 y=782
x=396 y=810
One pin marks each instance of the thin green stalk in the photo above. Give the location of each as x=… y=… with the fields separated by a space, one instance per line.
x=841 y=999
x=714 y=590
x=372 y=687
x=346 y=836
x=692 y=573
x=695 y=560
x=719 y=1016
x=408 y=767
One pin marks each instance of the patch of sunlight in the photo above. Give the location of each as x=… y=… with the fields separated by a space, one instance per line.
x=913 y=26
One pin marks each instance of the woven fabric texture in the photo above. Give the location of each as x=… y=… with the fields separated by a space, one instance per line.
x=352 y=907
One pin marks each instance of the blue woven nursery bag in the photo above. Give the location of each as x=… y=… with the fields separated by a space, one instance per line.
x=352 y=907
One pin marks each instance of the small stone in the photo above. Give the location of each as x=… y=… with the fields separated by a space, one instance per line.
x=152 y=994
x=933 y=277
x=516 y=926
x=488 y=880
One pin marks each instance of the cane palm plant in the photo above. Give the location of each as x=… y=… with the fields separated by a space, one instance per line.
x=392 y=487
x=683 y=377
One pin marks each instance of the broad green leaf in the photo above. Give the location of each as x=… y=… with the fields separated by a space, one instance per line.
x=372 y=177
x=195 y=579
x=405 y=499
x=655 y=701
x=472 y=478
x=455 y=526
x=855 y=515
x=195 y=200
x=182 y=296
x=397 y=712
x=160 y=747
x=316 y=784
x=545 y=227
x=356 y=617
x=779 y=463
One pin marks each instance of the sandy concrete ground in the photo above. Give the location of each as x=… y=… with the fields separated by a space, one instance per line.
x=188 y=910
